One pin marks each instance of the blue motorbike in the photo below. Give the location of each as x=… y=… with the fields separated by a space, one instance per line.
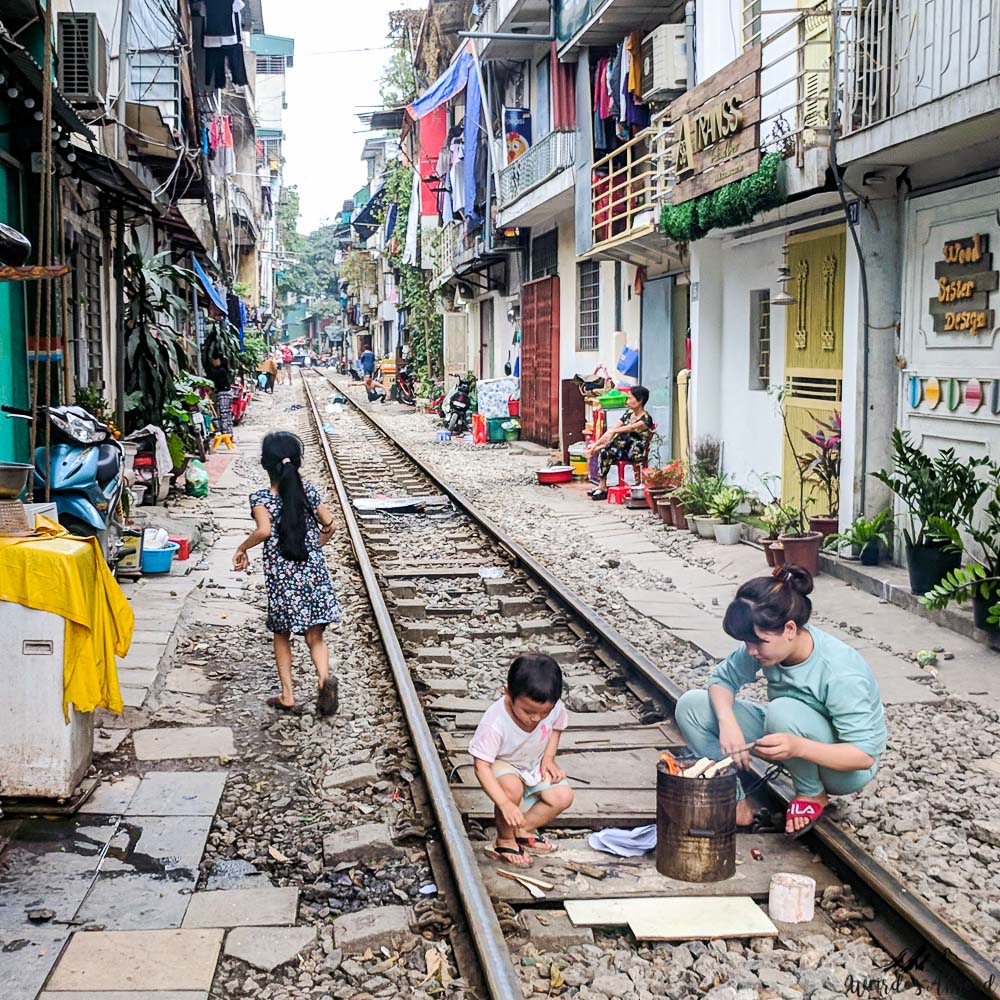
x=85 y=474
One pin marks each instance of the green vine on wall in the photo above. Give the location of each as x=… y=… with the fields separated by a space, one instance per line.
x=735 y=204
x=423 y=322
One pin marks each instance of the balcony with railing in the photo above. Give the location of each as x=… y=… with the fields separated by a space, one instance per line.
x=607 y=22
x=446 y=245
x=913 y=67
x=530 y=17
x=626 y=195
x=545 y=160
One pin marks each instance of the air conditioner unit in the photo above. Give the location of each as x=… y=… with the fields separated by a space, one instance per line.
x=664 y=63
x=83 y=59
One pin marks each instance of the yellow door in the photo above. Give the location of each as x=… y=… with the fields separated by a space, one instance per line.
x=814 y=350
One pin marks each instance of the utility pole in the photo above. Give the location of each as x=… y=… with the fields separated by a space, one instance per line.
x=126 y=15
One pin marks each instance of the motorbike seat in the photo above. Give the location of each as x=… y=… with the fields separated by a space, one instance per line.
x=108 y=463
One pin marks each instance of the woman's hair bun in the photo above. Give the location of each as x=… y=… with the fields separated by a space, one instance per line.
x=797 y=578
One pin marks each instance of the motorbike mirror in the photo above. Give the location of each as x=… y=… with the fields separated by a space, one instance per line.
x=15 y=247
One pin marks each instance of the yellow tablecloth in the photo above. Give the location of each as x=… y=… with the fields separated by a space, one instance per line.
x=67 y=576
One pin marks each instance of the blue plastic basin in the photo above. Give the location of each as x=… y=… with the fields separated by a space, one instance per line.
x=159 y=560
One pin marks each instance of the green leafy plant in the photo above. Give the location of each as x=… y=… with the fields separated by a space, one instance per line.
x=91 y=398
x=154 y=353
x=778 y=518
x=823 y=464
x=942 y=488
x=734 y=204
x=668 y=477
x=697 y=493
x=863 y=531
x=978 y=537
x=725 y=503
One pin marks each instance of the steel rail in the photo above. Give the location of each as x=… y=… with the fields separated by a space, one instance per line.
x=494 y=956
x=982 y=975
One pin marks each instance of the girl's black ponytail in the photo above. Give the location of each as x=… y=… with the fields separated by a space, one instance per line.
x=281 y=456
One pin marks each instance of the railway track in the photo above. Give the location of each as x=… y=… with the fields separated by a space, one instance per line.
x=443 y=579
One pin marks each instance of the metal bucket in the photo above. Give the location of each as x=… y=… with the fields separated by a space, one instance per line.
x=695 y=827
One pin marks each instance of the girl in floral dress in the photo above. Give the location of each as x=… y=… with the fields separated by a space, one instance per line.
x=293 y=524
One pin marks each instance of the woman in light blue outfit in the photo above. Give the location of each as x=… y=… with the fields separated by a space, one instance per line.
x=823 y=720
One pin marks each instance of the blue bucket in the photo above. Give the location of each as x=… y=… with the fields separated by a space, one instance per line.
x=159 y=560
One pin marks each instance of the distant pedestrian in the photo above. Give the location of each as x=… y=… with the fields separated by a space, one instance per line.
x=293 y=524
x=218 y=372
x=376 y=390
x=368 y=361
x=286 y=359
x=269 y=369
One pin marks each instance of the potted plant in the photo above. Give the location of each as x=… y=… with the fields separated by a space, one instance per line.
x=979 y=579
x=801 y=547
x=701 y=491
x=776 y=518
x=942 y=488
x=659 y=482
x=723 y=506
x=823 y=464
x=867 y=536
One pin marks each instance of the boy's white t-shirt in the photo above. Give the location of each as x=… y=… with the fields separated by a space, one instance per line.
x=499 y=737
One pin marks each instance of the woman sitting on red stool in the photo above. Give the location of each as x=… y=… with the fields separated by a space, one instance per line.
x=628 y=442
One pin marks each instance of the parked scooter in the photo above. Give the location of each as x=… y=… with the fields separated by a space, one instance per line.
x=85 y=473
x=241 y=400
x=146 y=469
x=406 y=387
x=458 y=406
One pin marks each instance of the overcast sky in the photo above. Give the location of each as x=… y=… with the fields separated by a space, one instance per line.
x=327 y=86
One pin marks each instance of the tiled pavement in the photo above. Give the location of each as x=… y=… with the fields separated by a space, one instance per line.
x=120 y=875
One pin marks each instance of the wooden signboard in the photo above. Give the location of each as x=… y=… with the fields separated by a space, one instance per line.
x=716 y=129
x=965 y=280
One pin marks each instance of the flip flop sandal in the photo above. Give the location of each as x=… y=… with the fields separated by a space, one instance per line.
x=328 y=700
x=516 y=856
x=599 y=495
x=278 y=704
x=537 y=844
x=764 y=821
x=802 y=807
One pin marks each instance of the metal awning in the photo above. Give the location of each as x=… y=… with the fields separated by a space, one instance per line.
x=609 y=21
x=386 y=118
x=148 y=133
x=62 y=110
x=113 y=177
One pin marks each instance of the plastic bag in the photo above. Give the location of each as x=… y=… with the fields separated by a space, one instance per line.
x=628 y=363
x=196 y=479
x=478 y=429
x=262 y=381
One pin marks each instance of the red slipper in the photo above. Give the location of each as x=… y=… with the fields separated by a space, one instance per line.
x=803 y=808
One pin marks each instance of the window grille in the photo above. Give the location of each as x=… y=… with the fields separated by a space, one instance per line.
x=589 y=336
x=268 y=150
x=91 y=311
x=760 y=339
x=270 y=65
x=751 y=23
x=545 y=255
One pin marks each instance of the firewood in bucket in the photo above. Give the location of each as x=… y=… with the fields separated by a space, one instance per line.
x=670 y=763
x=717 y=768
x=697 y=770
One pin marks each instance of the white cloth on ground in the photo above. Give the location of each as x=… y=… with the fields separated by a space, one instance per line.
x=624 y=843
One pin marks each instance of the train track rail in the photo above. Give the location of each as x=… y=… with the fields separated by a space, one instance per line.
x=382 y=464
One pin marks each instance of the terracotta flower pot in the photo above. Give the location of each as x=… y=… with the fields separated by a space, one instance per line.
x=678 y=514
x=825 y=525
x=803 y=550
x=777 y=553
x=663 y=510
x=768 y=551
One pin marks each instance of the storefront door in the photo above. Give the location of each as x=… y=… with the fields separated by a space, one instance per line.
x=540 y=361
x=814 y=349
x=656 y=360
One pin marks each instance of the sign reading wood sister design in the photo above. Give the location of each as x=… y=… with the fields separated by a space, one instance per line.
x=964 y=282
x=716 y=129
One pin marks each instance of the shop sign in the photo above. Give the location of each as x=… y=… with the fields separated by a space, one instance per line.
x=716 y=129
x=964 y=282
x=517 y=128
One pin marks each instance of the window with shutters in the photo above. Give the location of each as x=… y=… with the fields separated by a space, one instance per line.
x=270 y=65
x=545 y=255
x=760 y=339
x=89 y=342
x=589 y=299
x=751 y=23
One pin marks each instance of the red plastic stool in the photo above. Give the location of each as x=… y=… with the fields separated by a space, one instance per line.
x=620 y=493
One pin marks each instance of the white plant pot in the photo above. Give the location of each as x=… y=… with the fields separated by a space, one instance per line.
x=728 y=534
x=706 y=526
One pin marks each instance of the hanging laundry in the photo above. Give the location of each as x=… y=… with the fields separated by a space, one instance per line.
x=458 y=175
x=443 y=171
x=634 y=45
x=222 y=39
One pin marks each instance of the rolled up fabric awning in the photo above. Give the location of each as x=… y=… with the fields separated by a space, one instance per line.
x=213 y=293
